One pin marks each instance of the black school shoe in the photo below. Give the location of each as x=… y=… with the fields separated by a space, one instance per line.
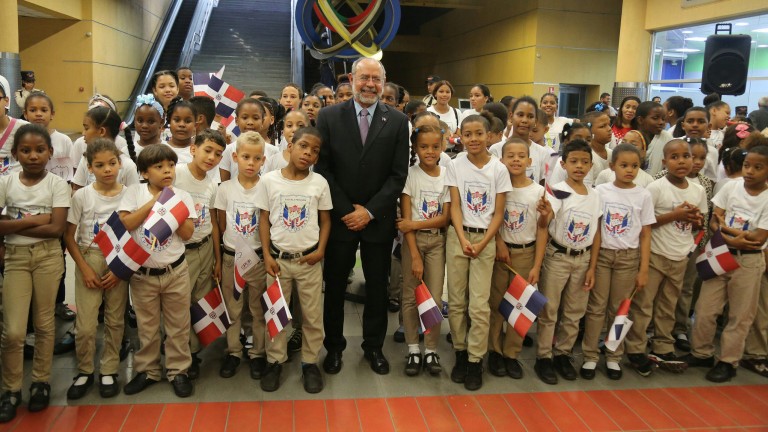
x=78 y=391
x=459 y=372
x=138 y=384
x=270 y=381
x=258 y=364
x=413 y=365
x=108 y=390
x=39 y=396
x=642 y=364
x=513 y=367
x=496 y=364
x=229 y=366
x=8 y=404
x=694 y=361
x=474 y=378
x=182 y=386
x=194 y=369
x=432 y=364
x=564 y=367
x=313 y=380
x=722 y=372
x=545 y=370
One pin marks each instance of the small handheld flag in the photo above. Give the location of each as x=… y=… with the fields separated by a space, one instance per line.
x=521 y=305
x=429 y=313
x=209 y=317
x=166 y=215
x=716 y=260
x=201 y=81
x=245 y=259
x=620 y=327
x=225 y=96
x=276 y=313
x=696 y=242
x=124 y=256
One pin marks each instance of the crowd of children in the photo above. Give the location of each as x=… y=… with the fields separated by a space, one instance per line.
x=592 y=212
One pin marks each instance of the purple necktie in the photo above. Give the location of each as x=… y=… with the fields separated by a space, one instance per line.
x=364 y=124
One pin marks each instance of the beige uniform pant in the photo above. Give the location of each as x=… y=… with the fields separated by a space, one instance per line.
x=741 y=290
x=614 y=281
x=508 y=343
x=562 y=283
x=757 y=339
x=168 y=294
x=469 y=289
x=657 y=302
x=432 y=250
x=688 y=296
x=32 y=275
x=88 y=302
x=308 y=280
x=201 y=261
x=255 y=285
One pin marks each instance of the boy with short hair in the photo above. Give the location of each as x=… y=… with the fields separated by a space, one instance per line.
x=295 y=223
x=202 y=250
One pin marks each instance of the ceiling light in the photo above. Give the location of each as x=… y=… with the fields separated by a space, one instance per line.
x=686 y=50
x=762 y=30
x=742 y=24
x=762 y=46
x=657 y=50
x=696 y=39
x=687 y=31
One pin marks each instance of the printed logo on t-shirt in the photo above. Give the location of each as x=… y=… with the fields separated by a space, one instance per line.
x=59 y=167
x=681 y=226
x=477 y=197
x=246 y=220
x=21 y=213
x=5 y=165
x=295 y=211
x=618 y=219
x=150 y=242
x=529 y=172
x=514 y=216
x=96 y=226
x=430 y=205
x=203 y=214
x=739 y=218
x=577 y=228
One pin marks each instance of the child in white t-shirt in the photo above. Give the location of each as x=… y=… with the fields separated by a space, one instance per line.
x=293 y=121
x=249 y=116
x=38 y=109
x=599 y=129
x=148 y=121
x=524 y=120
x=182 y=116
x=643 y=179
x=8 y=128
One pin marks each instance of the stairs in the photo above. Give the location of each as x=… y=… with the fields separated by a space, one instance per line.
x=169 y=59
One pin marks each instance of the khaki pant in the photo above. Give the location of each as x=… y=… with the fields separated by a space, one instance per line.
x=309 y=286
x=169 y=294
x=201 y=261
x=562 y=283
x=470 y=289
x=757 y=339
x=688 y=296
x=432 y=250
x=88 y=302
x=614 y=281
x=255 y=285
x=741 y=290
x=32 y=275
x=508 y=343
x=657 y=302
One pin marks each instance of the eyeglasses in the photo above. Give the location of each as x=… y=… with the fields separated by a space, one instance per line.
x=365 y=78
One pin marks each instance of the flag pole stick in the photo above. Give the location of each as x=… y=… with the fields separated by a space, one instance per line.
x=512 y=270
x=634 y=291
x=221 y=293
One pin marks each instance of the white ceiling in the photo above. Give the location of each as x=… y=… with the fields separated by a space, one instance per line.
x=680 y=40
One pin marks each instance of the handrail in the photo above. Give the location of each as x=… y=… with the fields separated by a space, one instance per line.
x=148 y=69
x=197 y=27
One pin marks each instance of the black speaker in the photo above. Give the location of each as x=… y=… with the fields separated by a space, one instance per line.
x=726 y=62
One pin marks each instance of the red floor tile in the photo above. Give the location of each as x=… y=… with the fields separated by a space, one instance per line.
x=590 y=413
x=243 y=416
x=677 y=410
x=559 y=411
x=646 y=410
x=468 y=413
x=437 y=413
x=374 y=415
x=708 y=412
x=342 y=415
x=615 y=409
x=499 y=414
x=759 y=392
x=177 y=417
x=41 y=421
x=109 y=418
x=74 y=418
x=529 y=412
x=406 y=414
x=309 y=416
x=143 y=418
x=277 y=415
x=732 y=409
x=211 y=416
x=746 y=400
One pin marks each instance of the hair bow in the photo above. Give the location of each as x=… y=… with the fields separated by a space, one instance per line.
x=149 y=99
x=742 y=130
x=599 y=107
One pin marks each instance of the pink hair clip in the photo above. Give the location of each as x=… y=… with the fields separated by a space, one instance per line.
x=742 y=130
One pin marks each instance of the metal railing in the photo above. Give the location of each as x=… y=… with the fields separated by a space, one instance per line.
x=196 y=34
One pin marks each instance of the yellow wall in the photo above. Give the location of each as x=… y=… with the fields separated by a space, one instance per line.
x=65 y=9
x=66 y=58
x=664 y=14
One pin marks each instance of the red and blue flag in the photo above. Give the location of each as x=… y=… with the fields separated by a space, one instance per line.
x=209 y=317
x=124 y=256
x=276 y=313
x=521 y=305
x=716 y=259
x=225 y=96
x=166 y=215
x=429 y=313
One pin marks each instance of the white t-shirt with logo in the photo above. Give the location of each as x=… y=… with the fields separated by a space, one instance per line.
x=451 y=118
x=21 y=201
x=293 y=207
x=90 y=211
x=742 y=210
x=203 y=193
x=520 y=215
x=576 y=217
x=608 y=176
x=428 y=194
x=61 y=163
x=625 y=213
x=228 y=164
x=163 y=253
x=128 y=174
x=539 y=157
x=674 y=240
x=239 y=204
x=478 y=188
x=598 y=165
x=7 y=163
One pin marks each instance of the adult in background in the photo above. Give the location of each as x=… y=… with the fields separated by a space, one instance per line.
x=605 y=98
x=364 y=158
x=27 y=87
x=429 y=99
x=759 y=117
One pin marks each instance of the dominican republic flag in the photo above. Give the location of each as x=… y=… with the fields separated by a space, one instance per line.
x=124 y=256
x=696 y=242
x=620 y=326
x=521 y=305
x=225 y=96
x=201 y=81
x=209 y=317
x=166 y=215
x=245 y=259
x=276 y=313
x=549 y=168
x=429 y=313
x=231 y=125
x=716 y=259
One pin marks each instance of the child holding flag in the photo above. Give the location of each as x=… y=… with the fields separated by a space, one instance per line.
x=294 y=226
x=162 y=283
x=515 y=248
x=202 y=249
x=94 y=282
x=625 y=247
x=238 y=220
x=741 y=213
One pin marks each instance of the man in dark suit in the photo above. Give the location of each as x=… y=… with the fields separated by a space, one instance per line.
x=364 y=157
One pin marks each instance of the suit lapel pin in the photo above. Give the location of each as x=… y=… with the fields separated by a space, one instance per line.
x=384 y=119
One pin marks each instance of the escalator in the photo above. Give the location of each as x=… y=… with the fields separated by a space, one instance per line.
x=169 y=58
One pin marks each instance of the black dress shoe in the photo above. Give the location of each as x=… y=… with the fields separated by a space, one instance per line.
x=545 y=370
x=587 y=373
x=694 y=361
x=313 y=380
x=8 y=404
x=229 y=366
x=138 y=384
x=258 y=364
x=270 y=381
x=77 y=391
x=182 y=386
x=459 y=371
x=332 y=363
x=39 y=396
x=379 y=363
x=413 y=365
x=513 y=367
x=108 y=390
x=564 y=367
x=722 y=372
x=614 y=374
x=474 y=378
x=496 y=364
